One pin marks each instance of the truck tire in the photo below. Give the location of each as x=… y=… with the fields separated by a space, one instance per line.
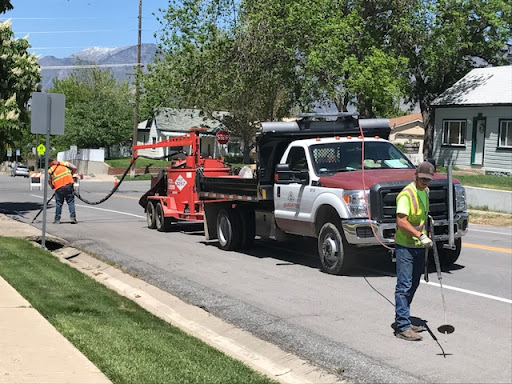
x=150 y=215
x=161 y=222
x=248 y=226
x=448 y=256
x=332 y=249
x=229 y=229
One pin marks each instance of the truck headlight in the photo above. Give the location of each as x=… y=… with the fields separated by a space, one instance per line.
x=356 y=202
x=460 y=198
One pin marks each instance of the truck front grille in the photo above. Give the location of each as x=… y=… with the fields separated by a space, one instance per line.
x=383 y=199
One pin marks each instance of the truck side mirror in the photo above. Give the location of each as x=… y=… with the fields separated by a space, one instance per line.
x=284 y=175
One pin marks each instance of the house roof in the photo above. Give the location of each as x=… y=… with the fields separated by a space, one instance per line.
x=407 y=119
x=481 y=86
x=181 y=120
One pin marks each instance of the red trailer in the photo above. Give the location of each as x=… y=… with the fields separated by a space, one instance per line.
x=173 y=195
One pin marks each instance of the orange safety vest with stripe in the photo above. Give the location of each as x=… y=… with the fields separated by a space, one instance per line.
x=61 y=174
x=418 y=212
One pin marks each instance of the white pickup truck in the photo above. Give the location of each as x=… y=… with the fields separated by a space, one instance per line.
x=313 y=180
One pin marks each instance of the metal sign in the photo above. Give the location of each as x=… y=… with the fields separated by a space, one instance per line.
x=18 y=152
x=48 y=113
x=41 y=149
x=222 y=137
x=9 y=152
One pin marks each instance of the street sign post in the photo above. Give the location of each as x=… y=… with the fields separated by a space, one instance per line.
x=47 y=118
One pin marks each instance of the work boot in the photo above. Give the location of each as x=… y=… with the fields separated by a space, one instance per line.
x=418 y=328
x=56 y=221
x=73 y=220
x=408 y=334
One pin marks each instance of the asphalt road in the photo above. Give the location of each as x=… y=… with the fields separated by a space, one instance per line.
x=277 y=292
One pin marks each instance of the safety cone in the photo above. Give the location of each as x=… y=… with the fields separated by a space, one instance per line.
x=116 y=181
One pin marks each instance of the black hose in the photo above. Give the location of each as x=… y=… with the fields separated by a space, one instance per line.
x=132 y=162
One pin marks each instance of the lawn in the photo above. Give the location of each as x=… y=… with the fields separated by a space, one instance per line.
x=127 y=343
x=486 y=181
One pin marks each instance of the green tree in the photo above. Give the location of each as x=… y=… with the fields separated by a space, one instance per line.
x=20 y=76
x=99 y=110
x=211 y=61
x=340 y=51
x=443 y=39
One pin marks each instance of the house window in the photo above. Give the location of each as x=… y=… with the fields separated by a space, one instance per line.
x=454 y=132
x=505 y=134
x=154 y=140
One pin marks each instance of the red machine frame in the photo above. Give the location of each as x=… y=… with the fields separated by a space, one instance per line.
x=181 y=201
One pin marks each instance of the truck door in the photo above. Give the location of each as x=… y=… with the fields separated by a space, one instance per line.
x=292 y=201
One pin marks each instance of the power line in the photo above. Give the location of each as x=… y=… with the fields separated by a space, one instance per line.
x=48 y=32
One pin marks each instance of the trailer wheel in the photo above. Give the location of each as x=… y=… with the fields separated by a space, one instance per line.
x=150 y=215
x=448 y=256
x=332 y=249
x=162 y=223
x=247 y=216
x=229 y=230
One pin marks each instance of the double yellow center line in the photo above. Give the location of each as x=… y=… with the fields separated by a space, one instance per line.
x=487 y=248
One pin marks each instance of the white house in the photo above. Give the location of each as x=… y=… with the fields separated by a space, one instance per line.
x=169 y=122
x=473 y=121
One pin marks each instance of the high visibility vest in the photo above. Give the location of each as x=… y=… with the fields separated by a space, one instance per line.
x=418 y=213
x=61 y=175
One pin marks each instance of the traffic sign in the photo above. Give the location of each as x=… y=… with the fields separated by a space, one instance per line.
x=222 y=137
x=41 y=149
x=9 y=152
x=48 y=113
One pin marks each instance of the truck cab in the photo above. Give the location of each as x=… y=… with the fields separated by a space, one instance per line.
x=333 y=180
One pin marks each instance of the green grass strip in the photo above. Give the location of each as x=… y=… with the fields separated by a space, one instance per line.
x=127 y=343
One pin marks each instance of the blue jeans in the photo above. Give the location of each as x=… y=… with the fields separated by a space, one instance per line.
x=409 y=267
x=65 y=193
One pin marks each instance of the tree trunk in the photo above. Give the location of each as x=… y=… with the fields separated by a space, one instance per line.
x=427 y=114
x=247 y=152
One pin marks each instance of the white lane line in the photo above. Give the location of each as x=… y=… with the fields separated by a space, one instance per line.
x=102 y=209
x=469 y=292
x=481 y=230
x=474 y=293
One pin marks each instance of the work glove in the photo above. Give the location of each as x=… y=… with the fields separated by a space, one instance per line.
x=425 y=241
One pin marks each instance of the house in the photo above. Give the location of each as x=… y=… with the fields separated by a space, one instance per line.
x=473 y=121
x=169 y=122
x=409 y=131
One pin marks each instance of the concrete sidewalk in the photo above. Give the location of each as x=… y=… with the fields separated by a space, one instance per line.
x=32 y=351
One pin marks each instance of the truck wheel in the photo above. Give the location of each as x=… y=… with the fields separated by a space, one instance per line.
x=332 y=250
x=150 y=215
x=229 y=231
x=161 y=222
x=448 y=256
x=248 y=226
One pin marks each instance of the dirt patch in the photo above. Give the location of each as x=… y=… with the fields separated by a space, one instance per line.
x=497 y=219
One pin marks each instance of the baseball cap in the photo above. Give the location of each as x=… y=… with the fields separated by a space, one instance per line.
x=426 y=170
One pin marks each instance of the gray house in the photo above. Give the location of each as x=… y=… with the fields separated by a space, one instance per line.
x=169 y=122
x=473 y=121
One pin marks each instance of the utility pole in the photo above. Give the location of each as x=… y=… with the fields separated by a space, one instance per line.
x=137 y=87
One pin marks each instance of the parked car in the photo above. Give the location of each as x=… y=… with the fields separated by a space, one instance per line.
x=20 y=170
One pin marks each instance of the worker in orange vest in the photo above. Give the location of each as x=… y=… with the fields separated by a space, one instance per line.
x=411 y=239
x=61 y=179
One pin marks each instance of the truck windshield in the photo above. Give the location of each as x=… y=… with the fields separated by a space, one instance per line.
x=346 y=156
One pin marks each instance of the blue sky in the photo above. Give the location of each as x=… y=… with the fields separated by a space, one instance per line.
x=63 y=27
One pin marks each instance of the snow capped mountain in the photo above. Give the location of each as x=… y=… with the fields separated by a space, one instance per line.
x=118 y=60
x=95 y=54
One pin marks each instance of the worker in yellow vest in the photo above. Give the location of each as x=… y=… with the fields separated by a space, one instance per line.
x=61 y=179
x=411 y=240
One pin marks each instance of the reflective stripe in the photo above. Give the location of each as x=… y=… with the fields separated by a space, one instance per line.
x=413 y=199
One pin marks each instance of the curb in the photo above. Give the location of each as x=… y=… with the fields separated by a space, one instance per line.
x=260 y=355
